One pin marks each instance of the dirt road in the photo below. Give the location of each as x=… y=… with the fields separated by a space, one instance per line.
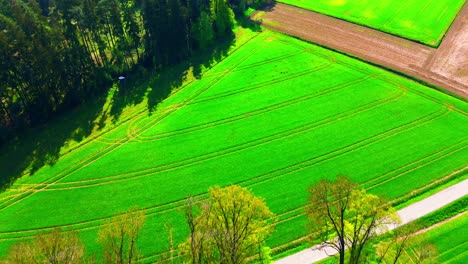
x=446 y=67
x=407 y=214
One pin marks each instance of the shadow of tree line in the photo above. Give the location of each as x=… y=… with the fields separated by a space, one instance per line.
x=28 y=152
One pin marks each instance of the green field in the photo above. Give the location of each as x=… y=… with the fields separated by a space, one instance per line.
x=275 y=116
x=425 y=21
x=450 y=239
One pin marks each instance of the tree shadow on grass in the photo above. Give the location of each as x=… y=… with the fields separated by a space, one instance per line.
x=42 y=145
x=30 y=151
x=164 y=83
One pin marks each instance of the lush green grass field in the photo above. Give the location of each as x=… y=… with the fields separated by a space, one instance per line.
x=425 y=21
x=275 y=116
x=450 y=239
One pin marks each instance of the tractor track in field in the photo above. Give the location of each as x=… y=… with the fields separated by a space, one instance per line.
x=296 y=212
x=142 y=138
x=229 y=93
x=253 y=113
x=160 y=168
x=442 y=153
x=315 y=157
x=100 y=221
x=374 y=104
x=300 y=212
x=94 y=157
x=262 y=84
x=253 y=87
x=445 y=66
x=177 y=204
x=257 y=86
x=400 y=93
x=142 y=110
x=381 y=77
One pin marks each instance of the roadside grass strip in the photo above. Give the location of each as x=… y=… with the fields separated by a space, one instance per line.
x=424 y=21
x=275 y=116
x=450 y=240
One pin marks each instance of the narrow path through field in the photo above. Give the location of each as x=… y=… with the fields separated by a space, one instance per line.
x=407 y=214
x=446 y=67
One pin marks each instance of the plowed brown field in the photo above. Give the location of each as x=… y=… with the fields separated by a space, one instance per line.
x=446 y=67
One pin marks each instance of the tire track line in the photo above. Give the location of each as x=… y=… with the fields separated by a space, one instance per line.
x=341 y=116
x=139 y=113
x=250 y=114
x=353 y=147
x=111 y=148
x=154 y=210
x=250 y=144
x=263 y=84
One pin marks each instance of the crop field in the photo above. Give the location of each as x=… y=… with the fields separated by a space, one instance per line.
x=450 y=240
x=425 y=21
x=275 y=116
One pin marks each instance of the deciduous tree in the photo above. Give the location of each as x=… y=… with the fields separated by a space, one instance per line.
x=56 y=247
x=119 y=237
x=230 y=227
x=346 y=218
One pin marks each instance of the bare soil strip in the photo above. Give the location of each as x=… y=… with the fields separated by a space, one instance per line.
x=446 y=67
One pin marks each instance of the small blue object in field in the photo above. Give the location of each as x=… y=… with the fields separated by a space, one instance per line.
x=121 y=80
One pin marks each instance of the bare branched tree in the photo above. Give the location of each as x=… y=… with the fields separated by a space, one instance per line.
x=346 y=218
x=119 y=237
x=392 y=249
x=228 y=228
x=55 y=247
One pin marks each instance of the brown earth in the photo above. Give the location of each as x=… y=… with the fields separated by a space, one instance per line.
x=446 y=67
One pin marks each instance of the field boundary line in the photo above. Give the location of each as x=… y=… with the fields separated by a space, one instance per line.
x=386 y=51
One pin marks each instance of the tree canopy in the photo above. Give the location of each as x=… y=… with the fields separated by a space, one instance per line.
x=55 y=247
x=119 y=237
x=345 y=217
x=228 y=228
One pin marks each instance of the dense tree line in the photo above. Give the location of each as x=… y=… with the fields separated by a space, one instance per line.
x=56 y=53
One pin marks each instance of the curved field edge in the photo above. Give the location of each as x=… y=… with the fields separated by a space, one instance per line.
x=403 y=110
x=425 y=22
